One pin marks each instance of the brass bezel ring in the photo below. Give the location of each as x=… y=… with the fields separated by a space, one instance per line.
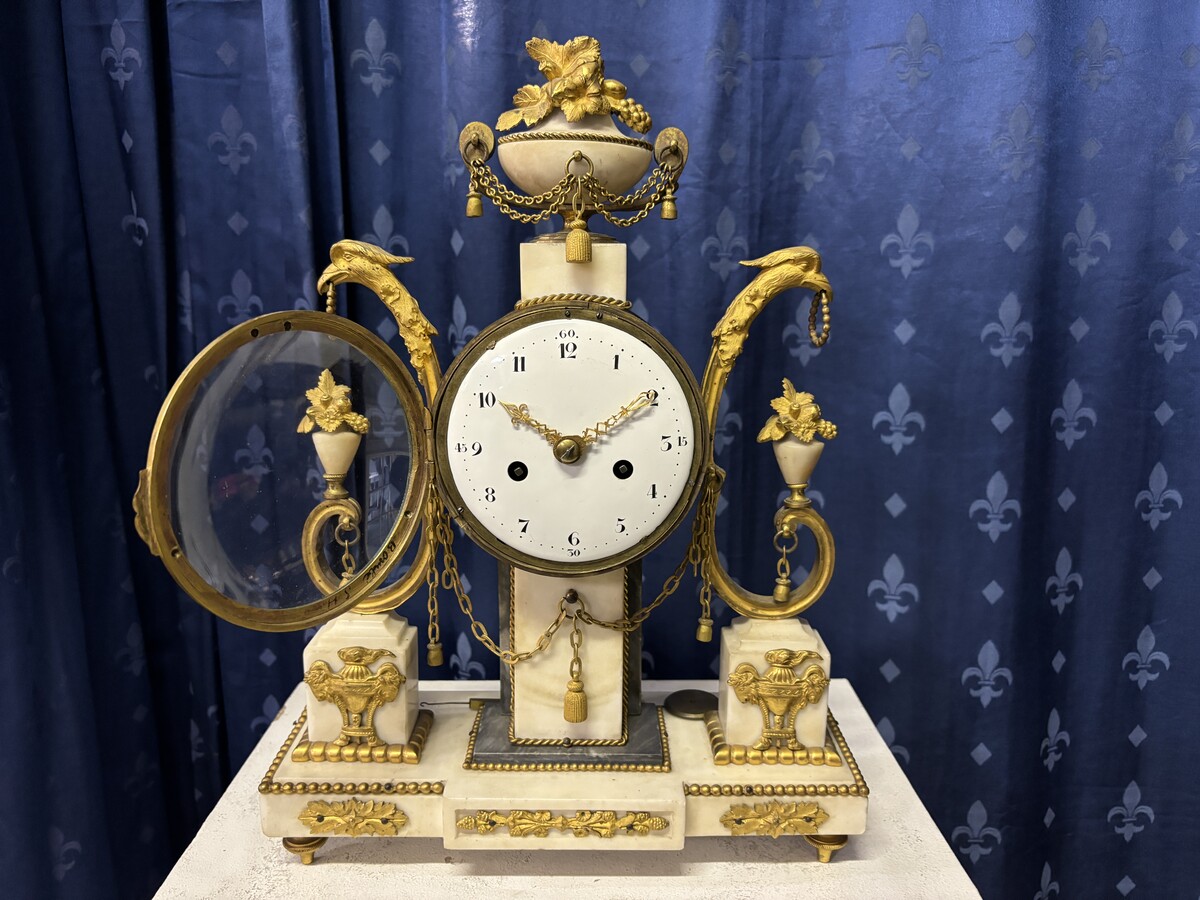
x=157 y=479
x=513 y=322
x=764 y=606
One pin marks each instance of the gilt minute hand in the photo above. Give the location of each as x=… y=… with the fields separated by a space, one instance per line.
x=520 y=416
x=641 y=401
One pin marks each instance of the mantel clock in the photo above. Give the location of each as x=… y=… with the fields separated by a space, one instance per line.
x=569 y=439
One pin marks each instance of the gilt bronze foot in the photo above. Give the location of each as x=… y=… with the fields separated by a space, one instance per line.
x=305 y=847
x=826 y=844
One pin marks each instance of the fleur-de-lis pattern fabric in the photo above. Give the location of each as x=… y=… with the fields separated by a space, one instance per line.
x=1007 y=206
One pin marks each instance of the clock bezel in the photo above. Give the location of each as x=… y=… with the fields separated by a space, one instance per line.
x=153 y=501
x=593 y=310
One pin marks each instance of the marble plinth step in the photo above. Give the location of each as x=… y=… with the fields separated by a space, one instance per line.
x=491 y=748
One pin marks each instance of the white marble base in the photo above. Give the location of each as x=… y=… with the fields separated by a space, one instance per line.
x=394 y=720
x=538 y=684
x=748 y=641
x=903 y=855
x=437 y=793
x=545 y=271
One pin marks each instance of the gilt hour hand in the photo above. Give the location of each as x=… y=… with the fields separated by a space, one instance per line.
x=520 y=416
x=641 y=401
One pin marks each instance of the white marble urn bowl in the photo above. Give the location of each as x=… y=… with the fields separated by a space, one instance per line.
x=797 y=459
x=535 y=164
x=336 y=450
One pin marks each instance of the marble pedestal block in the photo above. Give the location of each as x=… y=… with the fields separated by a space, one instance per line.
x=545 y=271
x=745 y=645
x=538 y=684
x=395 y=719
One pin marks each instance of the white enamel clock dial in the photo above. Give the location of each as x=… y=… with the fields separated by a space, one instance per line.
x=569 y=371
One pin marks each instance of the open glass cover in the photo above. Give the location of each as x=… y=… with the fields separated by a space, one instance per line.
x=232 y=481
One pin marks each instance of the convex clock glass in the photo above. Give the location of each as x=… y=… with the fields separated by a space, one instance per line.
x=230 y=481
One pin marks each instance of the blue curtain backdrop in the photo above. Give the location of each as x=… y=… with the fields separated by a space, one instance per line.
x=1006 y=200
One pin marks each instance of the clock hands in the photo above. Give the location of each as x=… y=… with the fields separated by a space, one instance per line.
x=520 y=416
x=569 y=449
x=641 y=401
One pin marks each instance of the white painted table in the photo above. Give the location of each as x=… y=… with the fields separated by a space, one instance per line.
x=902 y=855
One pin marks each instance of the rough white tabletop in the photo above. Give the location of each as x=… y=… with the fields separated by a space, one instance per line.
x=902 y=855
